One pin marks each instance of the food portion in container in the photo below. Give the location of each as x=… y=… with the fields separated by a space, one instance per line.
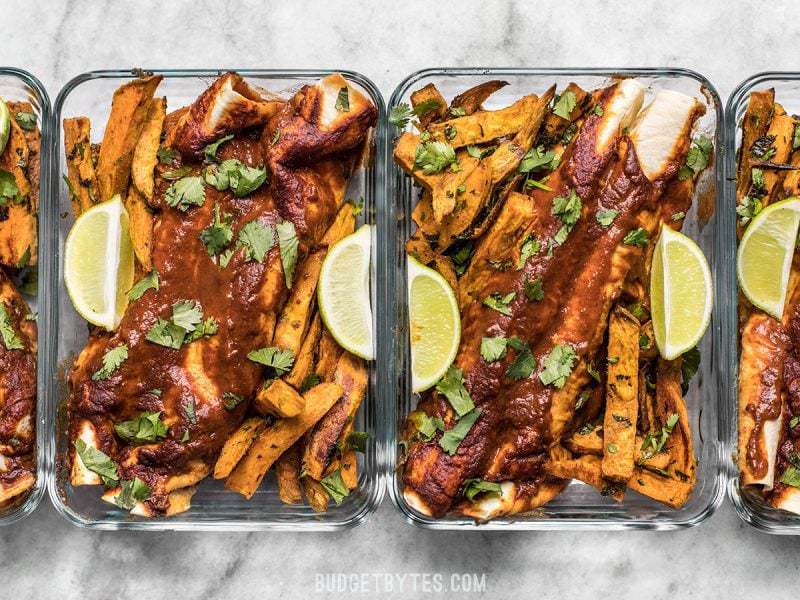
x=20 y=154
x=211 y=246
x=768 y=269
x=554 y=305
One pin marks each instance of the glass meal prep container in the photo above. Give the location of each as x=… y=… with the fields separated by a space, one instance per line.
x=213 y=507
x=18 y=85
x=579 y=506
x=750 y=506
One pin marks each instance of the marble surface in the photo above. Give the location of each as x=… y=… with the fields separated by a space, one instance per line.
x=45 y=557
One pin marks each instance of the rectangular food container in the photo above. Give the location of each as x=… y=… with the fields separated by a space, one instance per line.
x=750 y=507
x=19 y=85
x=579 y=506
x=213 y=507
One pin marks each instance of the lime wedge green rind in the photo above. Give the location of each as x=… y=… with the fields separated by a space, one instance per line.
x=681 y=293
x=435 y=325
x=343 y=293
x=764 y=259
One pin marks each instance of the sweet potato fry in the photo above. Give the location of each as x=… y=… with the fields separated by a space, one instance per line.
x=343 y=225
x=585 y=468
x=302 y=366
x=237 y=445
x=294 y=319
x=141 y=228
x=483 y=127
x=276 y=439
x=328 y=356
x=145 y=154
x=33 y=138
x=129 y=110
x=287 y=473
x=351 y=375
x=470 y=101
x=18 y=224
x=316 y=495
x=622 y=402
x=349 y=469
x=278 y=398
x=84 y=190
x=430 y=102
x=755 y=124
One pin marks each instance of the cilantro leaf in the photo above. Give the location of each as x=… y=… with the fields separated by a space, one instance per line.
x=210 y=151
x=690 y=363
x=231 y=400
x=8 y=188
x=530 y=246
x=524 y=363
x=493 y=348
x=426 y=106
x=257 y=239
x=187 y=314
x=434 y=157
x=148 y=282
x=637 y=237
x=166 y=333
x=10 y=338
x=335 y=486
x=26 y=120
x=289 y=244
x=190 y=410
x=534 y=290
x=791 y=476
x=606 y=217
x=132 y=491
x=452 y=438
x=279 y=360
x=568 y=210
x=98 y=462
x=474 y=487
x=186 y=192
x=112 y=360
x=536 y=159
x=167 y=156
x=697 y=157
x=499 y=302
x=426 y=426
x=147 y=427
x=343 y=103
x=558 y=365
x=218 y=234
x=176 y=173
x=357 y=440
x=451 y=386
x=310 y=380
x=748 y=208
x=400 y=115
x=565 y=105
x=757 y=177
x=233 y=174
x=654 y=442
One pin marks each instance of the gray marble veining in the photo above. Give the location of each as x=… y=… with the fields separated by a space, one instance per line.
x=45 y=557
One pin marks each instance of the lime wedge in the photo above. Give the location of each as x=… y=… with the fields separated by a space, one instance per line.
x=343 y=293
x=5 y=124
x=765 y=255
x=98 y=263
x=681 y=294
x=435 y=325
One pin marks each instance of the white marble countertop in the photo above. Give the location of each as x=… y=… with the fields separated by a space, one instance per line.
x=45 y=557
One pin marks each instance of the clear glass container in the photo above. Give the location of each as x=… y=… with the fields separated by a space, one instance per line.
x=213 y=507
x=750 y=506
x=18 y=85
x=579 y=506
